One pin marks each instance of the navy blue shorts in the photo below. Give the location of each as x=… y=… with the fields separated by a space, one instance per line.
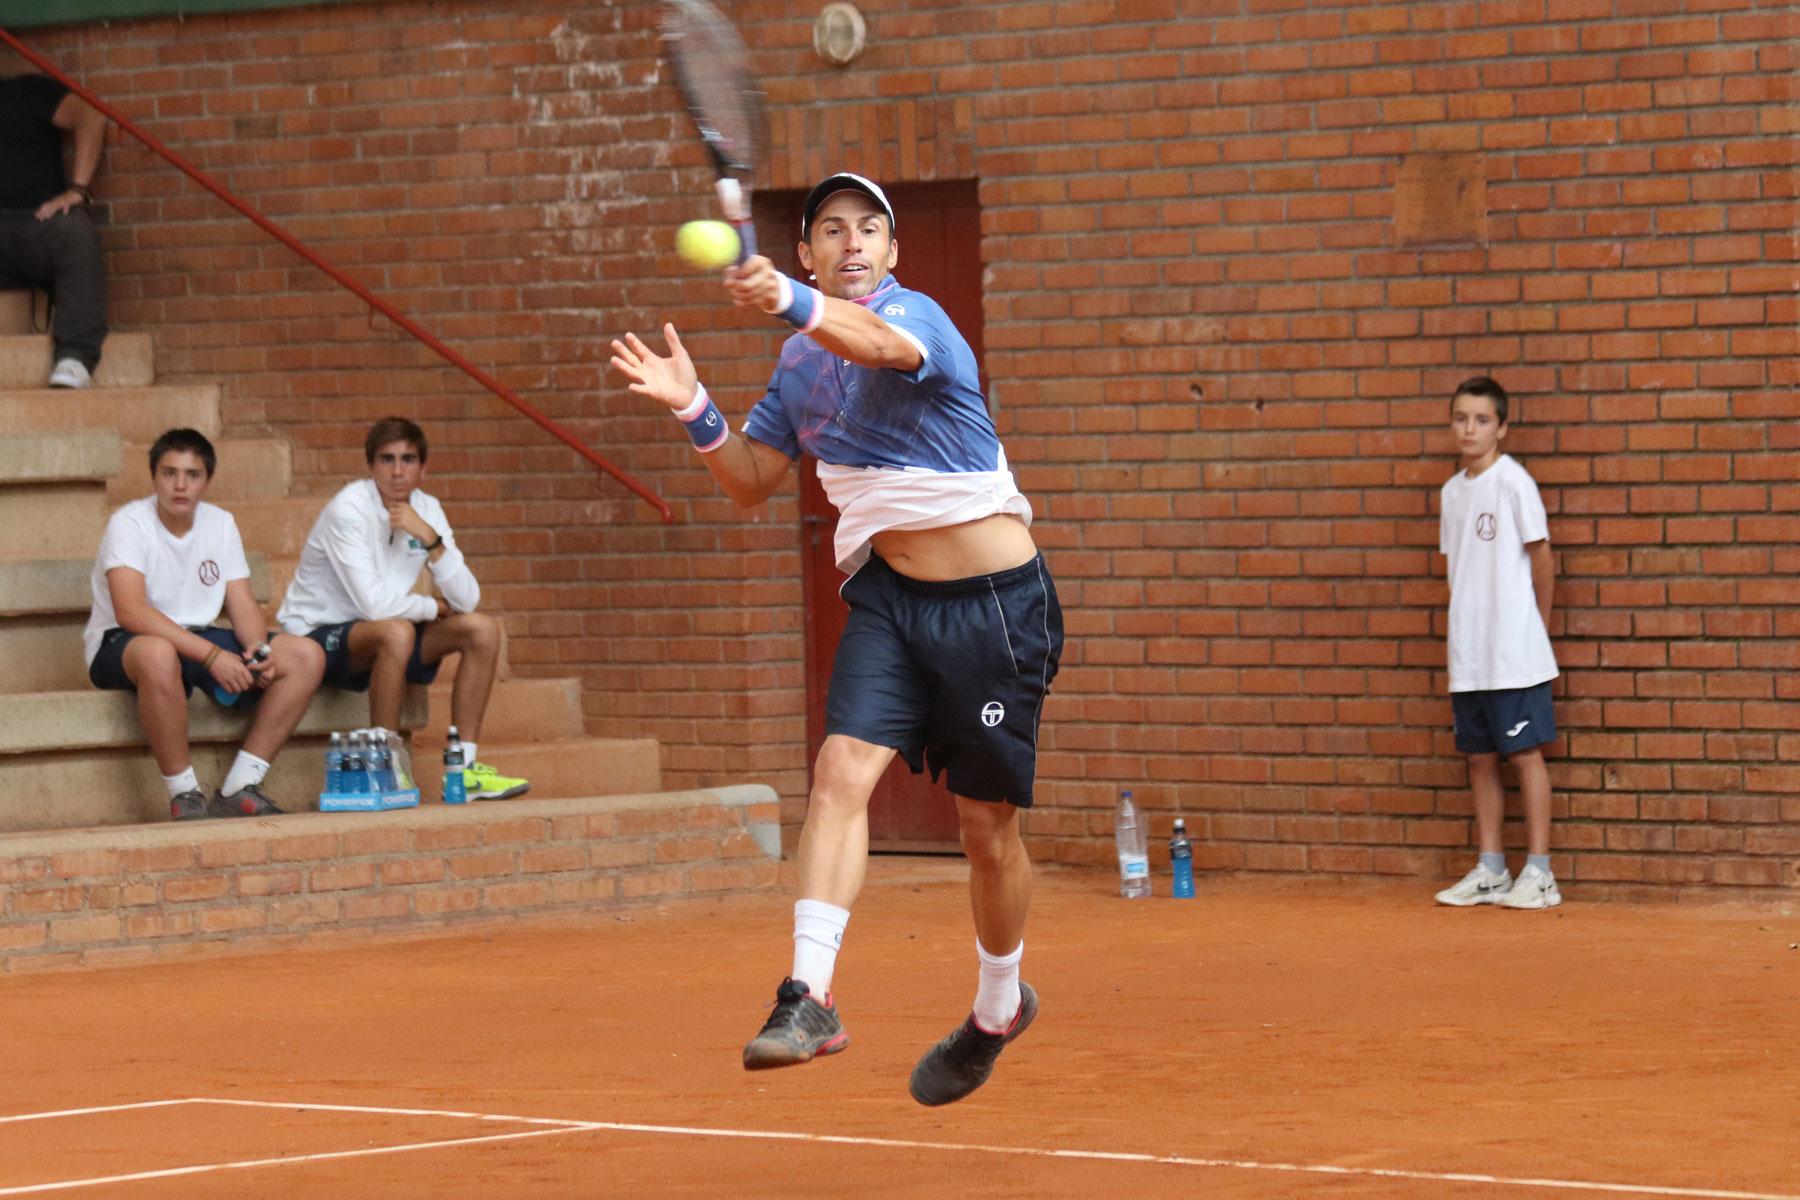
x=335 y=641
x=1503 y=722
x=952 y=675
x=107 y=671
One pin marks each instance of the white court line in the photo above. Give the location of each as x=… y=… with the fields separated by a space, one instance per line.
x=82 y=1112
x=568 y=1126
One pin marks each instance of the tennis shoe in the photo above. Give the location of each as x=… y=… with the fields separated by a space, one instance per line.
x=1480 y=886
x=798 y=1030
x=963 y=1061
x=188 y=806
x=70 y=373
x=1536 y=888
x=482 y=782
x=247 y=801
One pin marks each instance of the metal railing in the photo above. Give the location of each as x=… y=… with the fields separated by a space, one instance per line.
x=368 y=297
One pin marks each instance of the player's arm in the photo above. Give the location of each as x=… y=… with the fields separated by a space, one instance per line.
x=848 y=330
x=86 y=128
x=245 y=616
x=350 y=551
x=1543 y=575
x=746 y=470
x=135 y=614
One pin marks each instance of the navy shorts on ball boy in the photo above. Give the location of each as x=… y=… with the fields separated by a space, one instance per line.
x=334 y=640
x=108 y=668
x=952 y=675
x=1505 y=721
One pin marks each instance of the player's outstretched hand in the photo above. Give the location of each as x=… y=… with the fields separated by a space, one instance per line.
x=754 y=284
x=670 y=379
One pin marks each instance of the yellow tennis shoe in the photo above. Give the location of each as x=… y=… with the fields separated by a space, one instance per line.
x=482 y=782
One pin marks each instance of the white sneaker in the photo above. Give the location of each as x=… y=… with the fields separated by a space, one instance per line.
x=69 y=373
x=1480 y=886
x=1536 y=889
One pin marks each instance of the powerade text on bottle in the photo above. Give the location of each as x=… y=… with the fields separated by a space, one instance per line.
x=1134 y=855
x=454 y=790
x=1181 y=859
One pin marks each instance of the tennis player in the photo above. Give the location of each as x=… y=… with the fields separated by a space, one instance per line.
x=954 y=630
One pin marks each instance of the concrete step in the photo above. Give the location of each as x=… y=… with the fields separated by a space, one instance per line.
x=87 y=455
x=72 y=759
x=249 y=468
x=520 y=710
x=126 y=360
x=138 y=415
x=49 y=586
x=557 y=769
x=42 y=654
x=41 y=520
x=16 y=310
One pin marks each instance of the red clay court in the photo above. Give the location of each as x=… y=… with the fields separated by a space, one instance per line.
x=1265 y=1040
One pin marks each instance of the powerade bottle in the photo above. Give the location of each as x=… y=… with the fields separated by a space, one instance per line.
x=454 y=790
x=356 y=774
x=1134 y=855
x=381 y=763
x=334 y=764
x=228 y=699
x=1181 y=859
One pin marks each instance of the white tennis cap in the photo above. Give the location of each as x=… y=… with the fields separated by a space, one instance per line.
x=843 y=181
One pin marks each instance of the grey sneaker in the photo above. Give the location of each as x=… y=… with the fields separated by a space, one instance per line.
x=247 y=801
x=963 y=1061
x=189 y=806
x=70 y=373
x=799 y=1030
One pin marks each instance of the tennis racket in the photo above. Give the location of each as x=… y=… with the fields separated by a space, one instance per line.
x=712 y=69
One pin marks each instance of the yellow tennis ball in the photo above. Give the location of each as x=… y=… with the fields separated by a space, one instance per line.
x=707 y=244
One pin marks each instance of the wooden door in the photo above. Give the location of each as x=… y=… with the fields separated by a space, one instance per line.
x=939 y=230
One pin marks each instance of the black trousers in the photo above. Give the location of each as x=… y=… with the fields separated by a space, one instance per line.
x=62 y=256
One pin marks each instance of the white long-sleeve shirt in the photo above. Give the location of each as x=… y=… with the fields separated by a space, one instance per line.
x=357 y=567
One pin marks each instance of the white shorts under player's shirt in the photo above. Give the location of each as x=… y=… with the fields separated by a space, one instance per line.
x=1497 y=636
x=184 y=577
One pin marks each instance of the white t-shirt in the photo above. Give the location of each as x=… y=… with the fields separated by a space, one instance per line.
x=356 y=567
x=1497 y=637
x=184 y=577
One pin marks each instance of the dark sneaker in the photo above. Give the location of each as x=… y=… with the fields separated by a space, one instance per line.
x=189 y=806
x=247 y=801
x=799 y=1030
x=963 y=1061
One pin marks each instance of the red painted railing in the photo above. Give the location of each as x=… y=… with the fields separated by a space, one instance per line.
x=364 y=294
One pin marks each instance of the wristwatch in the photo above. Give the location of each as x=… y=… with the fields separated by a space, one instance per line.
x=84 y=191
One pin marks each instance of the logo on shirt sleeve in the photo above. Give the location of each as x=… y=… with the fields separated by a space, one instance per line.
x=209 y=573
x=1486 y=527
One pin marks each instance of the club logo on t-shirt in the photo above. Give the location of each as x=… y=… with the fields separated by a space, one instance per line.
x=1486 y=527
x=209 y=572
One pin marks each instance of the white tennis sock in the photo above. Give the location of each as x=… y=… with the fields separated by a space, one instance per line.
x=246 y=769
x=469 y=759
x=186 y=781
x=997 y=995
x=818 y=932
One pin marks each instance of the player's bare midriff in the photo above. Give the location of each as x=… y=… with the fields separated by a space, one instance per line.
x=982 y=547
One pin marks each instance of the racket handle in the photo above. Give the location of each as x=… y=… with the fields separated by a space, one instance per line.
x=737 y=211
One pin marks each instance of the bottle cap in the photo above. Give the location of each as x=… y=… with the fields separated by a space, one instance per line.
x=1180 y=825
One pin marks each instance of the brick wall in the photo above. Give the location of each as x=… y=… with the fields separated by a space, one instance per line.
x=133 y=893
x=1237 y=253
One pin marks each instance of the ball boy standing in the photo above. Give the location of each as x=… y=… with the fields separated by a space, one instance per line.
x=1494 y=533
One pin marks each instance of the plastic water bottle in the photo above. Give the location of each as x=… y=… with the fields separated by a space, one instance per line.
x=356 y=773
x=1181 y=859
x=1134 y=855
x=454 y=790
x=381 y=763
x=334 y=764
x=228 y=699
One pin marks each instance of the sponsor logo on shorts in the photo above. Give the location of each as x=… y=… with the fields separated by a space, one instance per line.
x=992 y=713
x=1486 y=527
x=209 y=572
x=1516 y=729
